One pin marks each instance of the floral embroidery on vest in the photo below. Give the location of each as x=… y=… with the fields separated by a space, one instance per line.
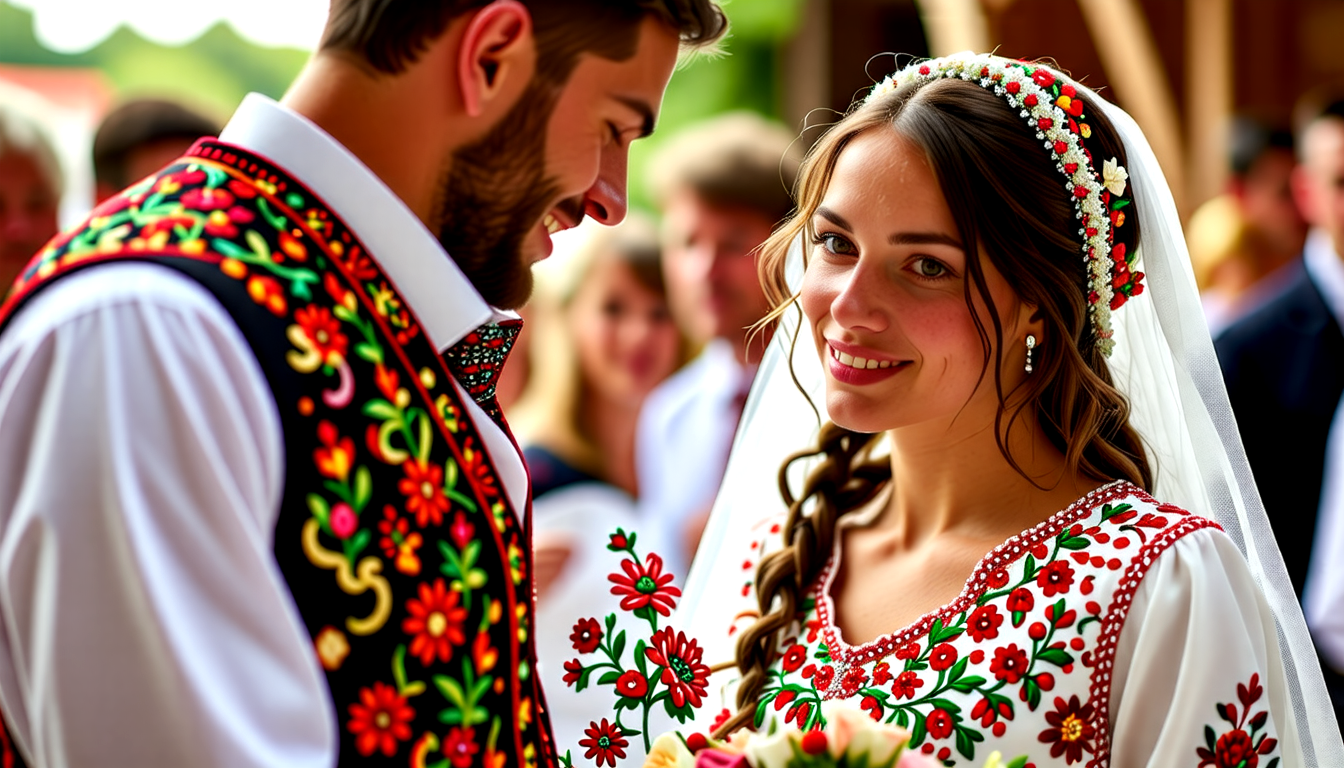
x=406 y=560
x=1248 y=740
x=1026 y=648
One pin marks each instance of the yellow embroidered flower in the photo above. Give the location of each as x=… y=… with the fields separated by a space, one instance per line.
x=1114 y=176
x=332 y=648
x=669 y=752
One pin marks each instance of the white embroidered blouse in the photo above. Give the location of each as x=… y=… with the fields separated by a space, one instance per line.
x=1119 y=632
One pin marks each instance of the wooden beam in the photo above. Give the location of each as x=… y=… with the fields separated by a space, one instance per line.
x=1134 y=69
x=953 y=26
x=1209 y=68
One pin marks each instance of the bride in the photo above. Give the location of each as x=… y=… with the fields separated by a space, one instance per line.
x=1019 y=528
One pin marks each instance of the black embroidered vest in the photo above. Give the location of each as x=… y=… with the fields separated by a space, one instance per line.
x=406 y=559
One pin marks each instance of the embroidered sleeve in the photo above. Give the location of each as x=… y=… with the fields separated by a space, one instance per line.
x=1197 y=679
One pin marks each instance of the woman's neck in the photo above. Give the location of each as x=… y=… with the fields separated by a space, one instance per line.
x=965 y=485
x=610 y=426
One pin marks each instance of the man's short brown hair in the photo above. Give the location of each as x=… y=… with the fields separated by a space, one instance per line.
x=739 y=159
x=391 y=34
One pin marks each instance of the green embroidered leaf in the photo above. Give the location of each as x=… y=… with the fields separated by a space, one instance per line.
x=1033 y=694
x=294 y=200
x=608 y=678
x=228 y=248
x=760 y=713
x=426 y=439
x=1273 y=763
x=583 y=678
x=318 y=506
x=1057 y=656
x=966 y=739
x=940 y=703
x=1018 y=762
x=610 y=622
x=618 y=645
x=1121 y=203
x=370 y=352
x=917 y=731
x=1029 y=567
x=358 y=542
x=680 y=714
x=451 y=690
x=472 y=552
x=257 y=243
x=968 y=684
x=363 y=489
x=624 y=703
x=1211 y=738
x=1075 y=542
x=1019 y=617
x=903 y=718
x=451 y=717
x=958 y=669
x=274 y=219
x=381 y=410
x=452 y=566
x=299 y=288
x=640 y=662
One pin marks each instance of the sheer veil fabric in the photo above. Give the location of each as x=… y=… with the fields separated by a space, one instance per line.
x=1164 y=363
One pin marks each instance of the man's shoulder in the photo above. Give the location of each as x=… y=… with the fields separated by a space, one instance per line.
x=1296 y=307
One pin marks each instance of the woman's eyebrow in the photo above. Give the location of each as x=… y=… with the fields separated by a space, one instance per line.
x=833 y=217
x=923 y=238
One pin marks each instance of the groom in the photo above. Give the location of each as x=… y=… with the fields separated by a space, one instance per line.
x=257 y=504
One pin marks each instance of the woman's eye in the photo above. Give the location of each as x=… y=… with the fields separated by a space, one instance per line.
x=836 y=244
x=929 y=268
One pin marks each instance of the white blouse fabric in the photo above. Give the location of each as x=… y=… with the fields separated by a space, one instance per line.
x=143 y=619
x=1120 y=632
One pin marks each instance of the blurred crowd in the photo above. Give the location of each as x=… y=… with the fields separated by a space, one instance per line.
x=641 y=341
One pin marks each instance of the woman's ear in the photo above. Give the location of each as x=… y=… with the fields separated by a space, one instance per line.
x=497 y=58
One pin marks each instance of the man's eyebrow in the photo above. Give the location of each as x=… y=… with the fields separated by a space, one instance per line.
x=833 y=217
x=643 y=109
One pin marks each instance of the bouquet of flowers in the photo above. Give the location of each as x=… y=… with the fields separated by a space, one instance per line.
x=663 y=671
x=850 y=738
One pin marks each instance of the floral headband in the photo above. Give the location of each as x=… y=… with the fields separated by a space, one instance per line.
x=1052 y=107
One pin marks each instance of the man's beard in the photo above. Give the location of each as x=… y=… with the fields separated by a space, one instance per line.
x=495 y=194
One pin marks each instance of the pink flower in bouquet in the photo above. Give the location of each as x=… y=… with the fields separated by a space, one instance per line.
x=853 y=732
x=645 y=585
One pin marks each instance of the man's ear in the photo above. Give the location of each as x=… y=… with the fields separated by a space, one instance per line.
x=498 y=55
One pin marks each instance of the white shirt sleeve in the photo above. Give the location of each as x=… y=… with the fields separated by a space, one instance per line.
x=1198 y=629
x=1323 y=596
x=143 y=619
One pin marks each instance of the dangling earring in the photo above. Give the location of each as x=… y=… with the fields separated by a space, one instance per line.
x=1031 y=344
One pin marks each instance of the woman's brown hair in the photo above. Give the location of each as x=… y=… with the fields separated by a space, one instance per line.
x=1010 y=204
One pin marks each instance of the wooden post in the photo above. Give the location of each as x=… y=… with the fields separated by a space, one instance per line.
x=1134 y=69
x=953 y=26
x=1209 y=78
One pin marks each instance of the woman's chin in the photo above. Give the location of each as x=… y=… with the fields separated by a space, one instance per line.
x=844 y=409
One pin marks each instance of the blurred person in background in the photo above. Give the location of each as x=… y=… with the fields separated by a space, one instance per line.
x=1240 y=240
x=722 y=186
x=30 y=191
x=1283 y=363
x=604 y=339
x=140 y=137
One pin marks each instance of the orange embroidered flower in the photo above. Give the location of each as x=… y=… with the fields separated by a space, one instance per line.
x=380 y=720
x=323 y=332
x=399 y=542
x=435 y=623
x=332 y=647
x=291 y=246
x=336 y=456
x=423 y=487
x=267 y=292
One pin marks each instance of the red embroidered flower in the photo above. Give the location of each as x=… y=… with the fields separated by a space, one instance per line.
x=336 y=455
x=852 y=681
x=882 y=674
x=784 y=698
x=460 y=747
x=343 y=521
x=984 y=623
x=203 y=199
x=461 y=532
x=908 y=651
x=794 y=657
x=799 y=714
x=586 y=636
x=1009 y=663
x=1234 y=750
x=572 y=671
x=266 y=291
x=435 y=622
x=872 y=706
x=905 y=685
x=379 y=720
x=1072 y=730
x=645 y=585
x=324 y=332
x=618 y=542
x=940 y=723
x=632 y=685
x=1020 y=601
x=399 y=541
x=1031 y=100
x=423 y=489
x=1013 y=86
x=822 y=680
x=683 y=673
x=942 y=656
x=1055 y=578
x=224 y=223
x=605 y=743
x=1043 y=78
x=813 y=628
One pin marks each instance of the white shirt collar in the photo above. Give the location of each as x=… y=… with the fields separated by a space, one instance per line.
x=442 y=298
x=1326 y=270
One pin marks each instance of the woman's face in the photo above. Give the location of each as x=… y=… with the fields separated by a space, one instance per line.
x=624 y=334
x=885 y=294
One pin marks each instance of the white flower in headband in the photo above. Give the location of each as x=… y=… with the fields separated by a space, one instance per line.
x=1053 y=107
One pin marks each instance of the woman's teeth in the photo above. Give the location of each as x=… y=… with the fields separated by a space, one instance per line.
x=858 y=362
x=552 y=224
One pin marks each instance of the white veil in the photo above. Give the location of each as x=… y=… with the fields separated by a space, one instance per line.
x=1163 y=362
